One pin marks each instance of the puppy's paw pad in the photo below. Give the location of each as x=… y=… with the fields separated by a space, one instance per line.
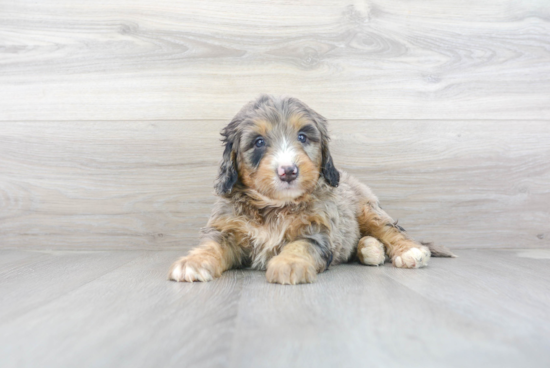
x=190 y=269
x=371 y=252
x=413 y=258
x=290 y=271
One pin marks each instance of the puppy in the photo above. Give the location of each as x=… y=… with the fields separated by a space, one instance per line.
x=283 y=206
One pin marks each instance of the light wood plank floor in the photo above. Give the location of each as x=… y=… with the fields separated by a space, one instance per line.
x=116 y=309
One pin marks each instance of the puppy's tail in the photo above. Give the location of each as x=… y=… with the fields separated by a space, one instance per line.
x=439 y=250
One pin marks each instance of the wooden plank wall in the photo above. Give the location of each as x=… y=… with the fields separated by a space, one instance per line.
x=110 y=112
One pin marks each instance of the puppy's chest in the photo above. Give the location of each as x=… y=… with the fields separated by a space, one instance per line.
x=265 y=240
x=273 y=232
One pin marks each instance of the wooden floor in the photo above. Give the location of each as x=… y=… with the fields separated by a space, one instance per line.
x=116 y=309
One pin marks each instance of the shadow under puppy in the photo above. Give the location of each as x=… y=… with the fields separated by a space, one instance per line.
x=283 y=206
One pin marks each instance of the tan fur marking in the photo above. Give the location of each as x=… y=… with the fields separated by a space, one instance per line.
x=262 y=127
x=264 y=177
x=297 y=121
x=309 y=172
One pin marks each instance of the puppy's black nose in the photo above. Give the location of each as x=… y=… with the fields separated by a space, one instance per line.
x=288 y=173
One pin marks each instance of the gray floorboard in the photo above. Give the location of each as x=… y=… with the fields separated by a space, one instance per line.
x=115 y=309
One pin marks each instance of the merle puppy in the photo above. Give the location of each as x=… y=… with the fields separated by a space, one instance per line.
x=285 y=208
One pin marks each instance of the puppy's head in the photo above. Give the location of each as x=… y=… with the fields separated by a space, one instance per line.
x=277 y=147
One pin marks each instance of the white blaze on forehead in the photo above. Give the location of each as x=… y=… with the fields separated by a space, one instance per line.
x=285 y=154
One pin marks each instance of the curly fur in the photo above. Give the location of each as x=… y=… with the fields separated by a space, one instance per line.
x=293 y=230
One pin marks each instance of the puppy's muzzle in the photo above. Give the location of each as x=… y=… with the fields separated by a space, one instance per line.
x=288 y=173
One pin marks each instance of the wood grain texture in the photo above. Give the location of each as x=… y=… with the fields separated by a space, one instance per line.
x=396 y=319
x=138 y=60
x=99 y=324
x=486 y=308
x=148 y=185
x=52 y=275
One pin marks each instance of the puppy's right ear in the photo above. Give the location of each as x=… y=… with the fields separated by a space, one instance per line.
x=228 y=175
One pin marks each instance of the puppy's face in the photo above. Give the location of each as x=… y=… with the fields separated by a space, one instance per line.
x=280 y=159
x=277 y=147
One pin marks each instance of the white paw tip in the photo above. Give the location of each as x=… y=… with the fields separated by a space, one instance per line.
x=398 y=262
x=413 y=258
x=176 y=274
x=183 y=271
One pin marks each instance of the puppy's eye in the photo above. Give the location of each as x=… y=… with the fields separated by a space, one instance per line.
x=302 y=137
x=259 y=142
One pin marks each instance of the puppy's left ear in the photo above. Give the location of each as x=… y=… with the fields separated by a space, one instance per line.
x=329 y=172
x=228 y=174
x=331 y=175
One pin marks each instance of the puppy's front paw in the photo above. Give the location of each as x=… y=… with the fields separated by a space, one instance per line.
x=194 y=268
x=413 y=258
x=290 y=270
x=371 y=251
